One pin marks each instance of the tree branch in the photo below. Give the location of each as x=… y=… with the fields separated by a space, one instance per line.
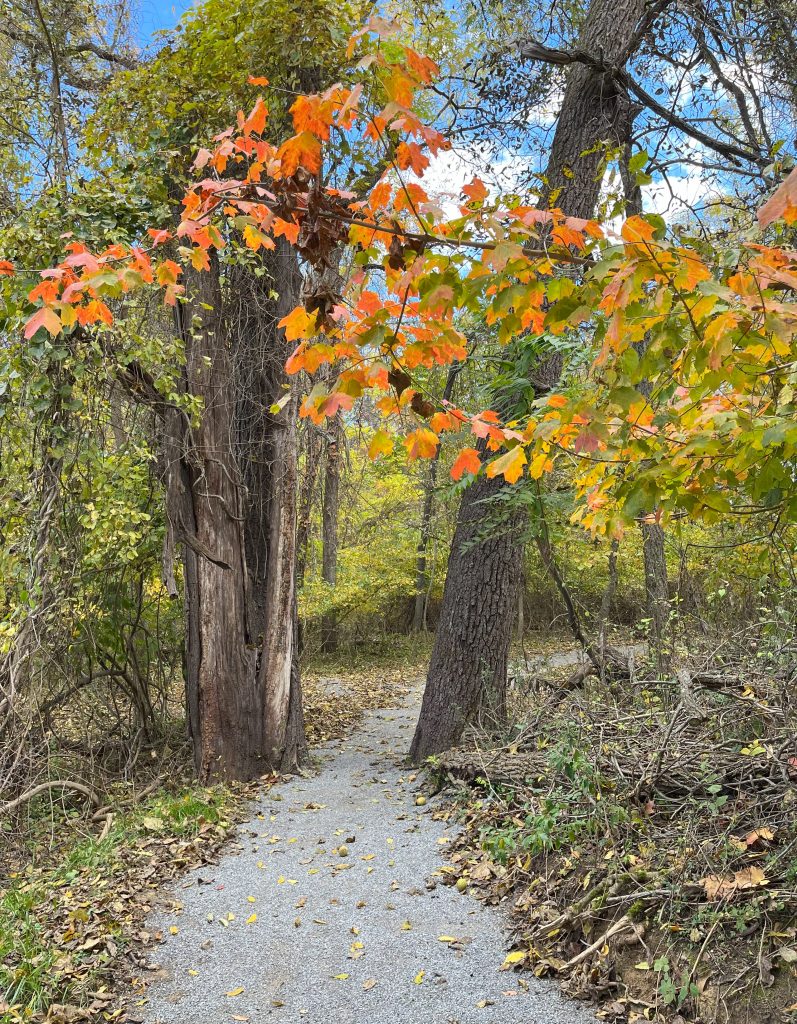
x=533 y=50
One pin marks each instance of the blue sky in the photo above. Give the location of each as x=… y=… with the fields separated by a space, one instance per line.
x=152 y=15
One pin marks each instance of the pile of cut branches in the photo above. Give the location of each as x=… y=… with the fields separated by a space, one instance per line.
x=646 y=833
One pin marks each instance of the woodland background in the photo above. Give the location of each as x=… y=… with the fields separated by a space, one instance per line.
x=186 y=562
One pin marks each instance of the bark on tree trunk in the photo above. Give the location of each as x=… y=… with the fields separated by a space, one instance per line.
x=329 y=526
x=592 y=110
x=312 y=459
x=268 y=446
x=231 y=485
x=469 y=657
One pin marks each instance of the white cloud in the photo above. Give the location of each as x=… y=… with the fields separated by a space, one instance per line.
x=449 y=171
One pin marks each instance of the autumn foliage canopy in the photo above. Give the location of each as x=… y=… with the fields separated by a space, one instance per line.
x=690 y=399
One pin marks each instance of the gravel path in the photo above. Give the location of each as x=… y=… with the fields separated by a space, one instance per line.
x=316 y=936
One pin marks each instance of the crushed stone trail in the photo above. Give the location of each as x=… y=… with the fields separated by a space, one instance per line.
x=349 y=939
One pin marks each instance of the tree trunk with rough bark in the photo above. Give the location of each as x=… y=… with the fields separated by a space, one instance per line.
x=231 y=485
x=468 y=669
x=479 y=600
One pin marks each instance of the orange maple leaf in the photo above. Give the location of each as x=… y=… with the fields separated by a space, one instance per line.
x=784 y=197
x=302 y=150
x=476 y=191
x=637 y=229
x=46 y=318
x=467 y=461
x=297 y=324
x=410 y=155
x=421 y=443
x=168 y=272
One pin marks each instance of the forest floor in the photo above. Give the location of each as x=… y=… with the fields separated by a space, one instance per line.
x=77 y=886
x=333 y=908
x=644 y=835
x=640 y=839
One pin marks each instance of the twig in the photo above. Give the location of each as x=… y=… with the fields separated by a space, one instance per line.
x=622 y=925
x=43 y=787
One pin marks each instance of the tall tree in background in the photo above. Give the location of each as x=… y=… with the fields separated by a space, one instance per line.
x=330 y=511
x=422 y=577
x=228 y=439
x=471 y=649
x=232 y=484
x=605 y=106
x=57 y=57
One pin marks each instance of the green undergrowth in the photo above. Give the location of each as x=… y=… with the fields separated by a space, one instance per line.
x=390 y=650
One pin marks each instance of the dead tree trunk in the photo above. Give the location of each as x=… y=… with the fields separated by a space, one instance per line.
x=594 y=108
